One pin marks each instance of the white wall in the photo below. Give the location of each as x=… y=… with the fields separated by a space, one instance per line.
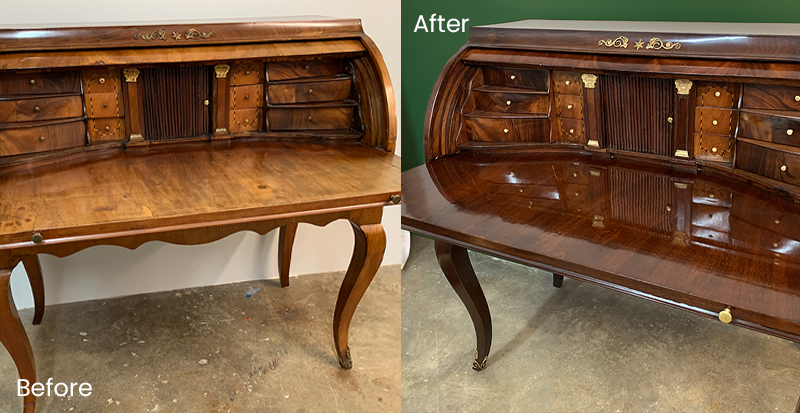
x=102 y=272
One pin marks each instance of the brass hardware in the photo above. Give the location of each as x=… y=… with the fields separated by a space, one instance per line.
x=593 y=143
x=621 y=41
x=589 y=80
x=246 y=72
x=639 y=44
x=222 y=71
x=107 y=129
x=476 y=365
x=36 y=109
x=176 y=35
x=505 y=130
x=669 y=208
x=797 y=98
x=569 y=106
x=205 y=102
x=513 y=77
x=136 y=137
x=656 y=44
x=575 y=174
x=714 y=122
x=37 y=238
x=131 y=75
x=571 y=131
x=594 y=172
x=508 y=103
x=577 y=194
x=567 y=82
x=310 y=91
x=155 y=35
x=309 y=117
x=775 y=245
x=783 y=168
x=246 y=121
x=305 y=67
x=395 y=199
x=716 y=94
x=669 y=119
x=33 y=82
x=196 y=34
x=713 y=149
x=725 y=316
x=105 y=105
x=681 y=185
x=683 y=85
x=102 y=80
x=221 y=131
x=682 y=153
x=597 y=221
x=41 y=139
x=246 y=97
x=711 y=195
x=777 y=221
x=789 y=132
x=710 y=216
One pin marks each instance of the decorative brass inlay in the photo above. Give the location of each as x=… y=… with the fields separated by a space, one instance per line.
x=221 y=131
x=639 y=44
x=681 y=185
x=136 y=137
x=155 y=35
x=682 y=153
x=683 y=85
x=589 y=80
x=479 y=365
x=222 y=71
x=656 y=44
x=725 y=316
x=176 y=35
x=131 y=75
x=196 y=34
x=621 y=41
x=593 y=143
x=597 y=221
x=594 y=172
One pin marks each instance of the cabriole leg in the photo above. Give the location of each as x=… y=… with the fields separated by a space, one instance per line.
x=367 y=256
x=34 y=270
x=285 y=243
x=13 y=337
x=454 y=261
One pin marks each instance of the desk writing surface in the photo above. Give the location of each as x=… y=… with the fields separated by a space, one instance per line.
x=177 y=185
x=698 y=236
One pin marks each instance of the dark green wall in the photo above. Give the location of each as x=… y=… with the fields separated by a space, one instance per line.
x=424 y=54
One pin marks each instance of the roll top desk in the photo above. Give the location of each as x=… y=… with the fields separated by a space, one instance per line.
x=187 y=133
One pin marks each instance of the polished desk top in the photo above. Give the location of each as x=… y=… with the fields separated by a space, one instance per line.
x=699 y=239
x=179 y=184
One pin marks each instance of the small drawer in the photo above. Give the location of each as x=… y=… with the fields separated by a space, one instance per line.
x=778 y=129
x=708 y=194
x=779 y=165
x=101 y=81
x=710 y=235
x=570 y=106
x=109 y=129
x=303 y=69
x=103 y=105
x=568 y=83
x=576 y=196
x=571 y=130
x=40 y=83
x=715 y=121
x=538 y=103
x=306 y=118
x=25 y=110
x=717 y=95
x=711 y=217
x=44 y=138
x=490 y=129
x=713 y=147
x=771 y=97
x=247 y=97
x=577 y=174
x=245 y=120
x=246 y=73
x=300 y=92
x=519 y=78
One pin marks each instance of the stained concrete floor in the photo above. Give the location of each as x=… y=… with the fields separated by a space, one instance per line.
x=580 y=348
x=195 y=350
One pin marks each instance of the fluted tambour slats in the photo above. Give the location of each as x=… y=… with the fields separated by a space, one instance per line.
x=635 y=112
x=172 y=99
x=634 y=192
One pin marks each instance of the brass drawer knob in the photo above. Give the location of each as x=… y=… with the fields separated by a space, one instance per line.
x=669 y=208
x=246 y=121
x=395 y=199
x=571 y=131
x=108 y=128
x=725 y=316
x=102 y=80
x=714 y=122
x=41 y=139
x=508 y=103
x=713 y=149
x=37 y=238
x=789 y=132
x=777 y=221
x=716 y=94
x=505 y=130
x=513 y=77
x=669 y=119
x=33 y=82
x=205 y=102
x=246 y=72
x=105 y=105
x=36 y=109
x=309 y=118
x=246 y=97
x=305 y=67
x=310 y=91
x=569 y=106
x=783 y=168
x=796 y=98
x=575 y=174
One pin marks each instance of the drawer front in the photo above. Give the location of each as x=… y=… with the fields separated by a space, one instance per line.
x=101 y=81
x=25 y=110
x=568 y=83
x=713 y=147
x=245 y=120
x=42 y=138
x=709 y=194
x=41 y=83
x=571 y=130
x=508 y=130
x=715 y=121
x=247 y=73
x=300 y=92
x=103 y=105
x=771 y=97
x=717 y=95
x=247 y=97
x=778 y=165
x=109 y=129
x=711 y=217
x=512 y=102
x=303 y=69
x=310 y=118
x=776 y=129
x=519 y=78
x=570 y=106
x=576 y=174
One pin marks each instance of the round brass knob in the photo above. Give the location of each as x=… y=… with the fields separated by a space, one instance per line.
x=567 y=82
x=714 y=122
x=305 y=67
x=36 y=109
x=505 y=130
x=309 y=117
x=725 y=316
x=107 y=129
x=395 y=199
x=246 y=72
x=575 y=174
x=41 y=139
x=246 y=97
x=205 y=102
x=569 y=106
x=513 y=77
x=710 y=195
x=713 y=149
x=797 y=98
x=246 y=121
x=102 y=80
x=789 y=132
x=105 y=105
x=669 y=208
x=783 y=168
x=774 y=245
x=33 y=82
x=716 y=94
x=508 y=103
x=577 y=194
x=571 y=131
x=777 y=221
x=669 y=119
x=37 y=238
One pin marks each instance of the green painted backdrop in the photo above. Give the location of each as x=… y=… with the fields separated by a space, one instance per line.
x=424 y=54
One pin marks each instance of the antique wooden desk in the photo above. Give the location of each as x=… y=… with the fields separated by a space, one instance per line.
x=657 y=159
x=188 y=133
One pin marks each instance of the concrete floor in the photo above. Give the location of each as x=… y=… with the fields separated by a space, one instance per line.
x=580 y=348
x=195 y=350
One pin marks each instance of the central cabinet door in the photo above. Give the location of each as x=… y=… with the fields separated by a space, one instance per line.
x=176 y=102
x=638 y=113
